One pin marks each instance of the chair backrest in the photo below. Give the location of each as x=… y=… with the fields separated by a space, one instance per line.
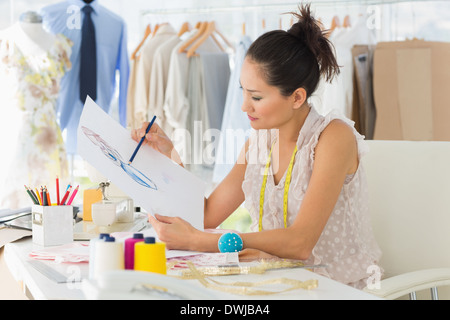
x=409 y=198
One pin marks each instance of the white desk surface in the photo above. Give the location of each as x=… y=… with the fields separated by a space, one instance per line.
x=43 y=288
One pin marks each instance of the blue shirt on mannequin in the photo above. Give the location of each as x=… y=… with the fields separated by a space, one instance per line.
x=112 y=55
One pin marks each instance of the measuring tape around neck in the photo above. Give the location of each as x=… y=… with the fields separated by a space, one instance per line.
x=287 y=184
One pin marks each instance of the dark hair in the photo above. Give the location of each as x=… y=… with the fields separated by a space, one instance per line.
x=296 y=58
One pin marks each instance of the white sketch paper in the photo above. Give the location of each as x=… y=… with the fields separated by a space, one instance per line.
x=152 y=180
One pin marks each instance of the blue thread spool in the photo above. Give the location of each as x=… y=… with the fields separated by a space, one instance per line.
x=230 y=242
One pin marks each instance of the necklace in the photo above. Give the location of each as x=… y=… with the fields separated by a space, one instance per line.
x=287 y=184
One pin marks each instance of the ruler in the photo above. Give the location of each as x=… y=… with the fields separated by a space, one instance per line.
x=48 y=271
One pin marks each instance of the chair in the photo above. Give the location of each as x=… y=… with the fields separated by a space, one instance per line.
x=409 y=197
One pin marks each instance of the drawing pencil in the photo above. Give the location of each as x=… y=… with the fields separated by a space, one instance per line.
x=34 y=195
x=73 y=196
x=142 y=140
x=57 y=190
x=63 y=201
x=31 y=196
x=44 y=197
x=48 y=196
x=39 y=198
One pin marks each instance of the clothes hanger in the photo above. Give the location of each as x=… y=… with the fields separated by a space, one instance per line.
x=335 y=23
x=201 y=29
x=211 y=29
x=184 y=28
x=347 y=23
x=156 y=29
x=148 y=31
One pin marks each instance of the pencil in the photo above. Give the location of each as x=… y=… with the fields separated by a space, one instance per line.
x=63 y=201
x=57 y=190
x=31 y=196
x=34 y=195
x=142 y=140
x=39 y=198
x=44 y=197
x=43 y=200
x=73 y=196
x=48 y=196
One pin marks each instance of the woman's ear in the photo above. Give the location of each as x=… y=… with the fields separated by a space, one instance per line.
x=299 y=97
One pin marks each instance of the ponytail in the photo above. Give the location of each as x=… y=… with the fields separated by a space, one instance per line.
x=296 y=58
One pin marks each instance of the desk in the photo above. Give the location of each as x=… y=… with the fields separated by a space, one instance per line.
x=41 y=287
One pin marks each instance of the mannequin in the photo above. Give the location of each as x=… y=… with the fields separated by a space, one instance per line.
x=32 y=65
x=29 y=35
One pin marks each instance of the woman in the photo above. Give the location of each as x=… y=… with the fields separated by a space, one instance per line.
x=310 y=183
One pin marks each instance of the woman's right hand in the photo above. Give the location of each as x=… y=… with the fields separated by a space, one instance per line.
x=157 y=139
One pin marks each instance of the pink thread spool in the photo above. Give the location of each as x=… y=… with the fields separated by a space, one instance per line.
x=129 y=250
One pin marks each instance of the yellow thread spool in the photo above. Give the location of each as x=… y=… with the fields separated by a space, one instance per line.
x=150 y=256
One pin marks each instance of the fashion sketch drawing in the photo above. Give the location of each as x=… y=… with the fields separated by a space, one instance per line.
x=113 y=155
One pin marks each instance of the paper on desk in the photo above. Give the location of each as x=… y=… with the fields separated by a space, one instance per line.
x=153 y=181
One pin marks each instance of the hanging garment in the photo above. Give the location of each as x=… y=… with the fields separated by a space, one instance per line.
x=142 y=108
x=33 y=151
x=338 y=95
x=112 y=56
x=158 y=79
x=235 y=128
x=411 y=90
x=177 y=105
x=363 y=112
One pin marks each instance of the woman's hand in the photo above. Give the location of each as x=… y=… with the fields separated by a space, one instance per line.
x=175 y=232
x=156 y=138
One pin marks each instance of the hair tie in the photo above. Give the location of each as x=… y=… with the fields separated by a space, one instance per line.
x=230 y=242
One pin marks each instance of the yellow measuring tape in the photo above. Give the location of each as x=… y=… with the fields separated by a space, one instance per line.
x=287 y=184
x=247 y=288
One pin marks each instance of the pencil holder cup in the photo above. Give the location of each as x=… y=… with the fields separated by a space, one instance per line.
x=52 y=225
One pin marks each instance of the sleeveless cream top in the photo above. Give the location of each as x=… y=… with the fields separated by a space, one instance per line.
x=347 y=245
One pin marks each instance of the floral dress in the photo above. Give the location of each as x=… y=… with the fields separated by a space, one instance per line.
x=32 y=146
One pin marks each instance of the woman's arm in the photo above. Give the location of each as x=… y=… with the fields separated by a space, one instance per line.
x=335 y=157
x=224 y=200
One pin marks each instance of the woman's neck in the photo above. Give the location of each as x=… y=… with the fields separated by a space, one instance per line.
x=290 y=131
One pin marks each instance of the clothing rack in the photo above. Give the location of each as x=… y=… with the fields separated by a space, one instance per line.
x=271 y=6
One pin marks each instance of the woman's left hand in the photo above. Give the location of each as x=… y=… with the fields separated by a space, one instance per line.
x=175 y=232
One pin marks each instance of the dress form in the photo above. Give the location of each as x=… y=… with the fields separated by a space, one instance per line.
x=30 y=36
x=31 y=66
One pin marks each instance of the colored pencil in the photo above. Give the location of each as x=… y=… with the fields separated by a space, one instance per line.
x=63 y=201
x=142 y=140
x=34 y=195
x=39 y=198
x=73 y=196
x=48 y=196
x=31 y=196
x=44 y=197
x=57 y=190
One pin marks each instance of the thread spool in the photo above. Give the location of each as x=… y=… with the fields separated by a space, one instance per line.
x=92 y=244
x=129 y=250
x=108 y=256
x=150 y=256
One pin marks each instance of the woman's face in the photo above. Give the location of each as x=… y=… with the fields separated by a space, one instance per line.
x=266 y=108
